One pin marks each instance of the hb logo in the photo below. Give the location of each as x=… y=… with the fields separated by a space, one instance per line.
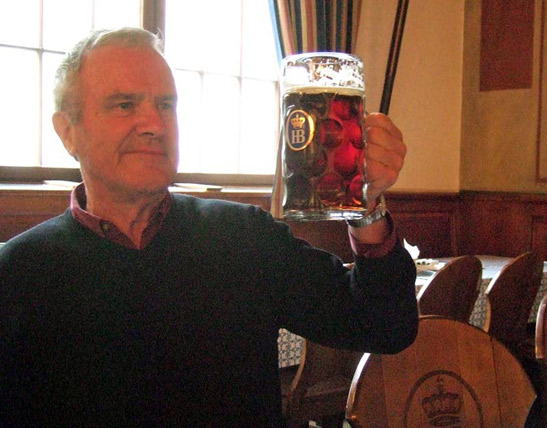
x=299 y=128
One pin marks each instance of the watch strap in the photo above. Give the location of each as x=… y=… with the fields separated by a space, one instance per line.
x=375 y=215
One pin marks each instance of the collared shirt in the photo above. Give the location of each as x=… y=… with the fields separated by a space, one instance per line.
x=107 y=229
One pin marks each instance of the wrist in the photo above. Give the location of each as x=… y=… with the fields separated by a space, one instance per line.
x=373 y=214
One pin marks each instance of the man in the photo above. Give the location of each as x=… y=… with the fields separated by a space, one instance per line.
x=136 y=308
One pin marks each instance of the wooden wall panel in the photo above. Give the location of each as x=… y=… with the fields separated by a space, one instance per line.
x=502 y=224
x=539 y=235
x=331 y=236
x=426 y=220
x=22 y=209
x=433 y=233
x=440 y=224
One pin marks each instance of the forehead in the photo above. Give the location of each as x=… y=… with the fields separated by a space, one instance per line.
x=122 y=68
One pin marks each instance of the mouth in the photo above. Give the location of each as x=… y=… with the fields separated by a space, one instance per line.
x=146 y=152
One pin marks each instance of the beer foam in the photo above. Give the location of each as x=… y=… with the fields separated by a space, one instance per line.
x=314 y=89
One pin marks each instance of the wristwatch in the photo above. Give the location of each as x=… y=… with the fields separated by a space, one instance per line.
x=377 y=213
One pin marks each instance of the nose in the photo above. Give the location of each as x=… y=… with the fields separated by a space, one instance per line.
x=150 y=121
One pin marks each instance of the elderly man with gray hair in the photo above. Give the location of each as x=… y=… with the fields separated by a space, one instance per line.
x=142 y=308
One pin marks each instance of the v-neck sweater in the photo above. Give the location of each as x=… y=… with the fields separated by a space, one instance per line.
x=184 y=331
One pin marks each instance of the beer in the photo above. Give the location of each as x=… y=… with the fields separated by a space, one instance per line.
x=323 y=153
x=322 y=116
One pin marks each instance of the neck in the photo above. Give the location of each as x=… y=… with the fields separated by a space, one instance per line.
x=130 y=213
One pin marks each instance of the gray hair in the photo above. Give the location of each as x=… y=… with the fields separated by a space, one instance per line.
x=67 y=77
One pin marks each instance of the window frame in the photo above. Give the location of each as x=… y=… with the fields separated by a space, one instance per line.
x=152 y=19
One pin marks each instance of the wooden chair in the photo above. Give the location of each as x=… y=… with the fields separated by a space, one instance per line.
x=320 y=388
x=509 y=299
x=541 y=356
x=454 y=375
x=453 y=290
x=541 y=331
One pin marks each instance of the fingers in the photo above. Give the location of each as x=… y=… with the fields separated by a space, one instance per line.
x=385 y=153
x=389 y=157
x=380 y=130
x=382 y=121
x=380 y=178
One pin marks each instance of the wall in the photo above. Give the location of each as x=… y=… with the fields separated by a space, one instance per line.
x=500 y=127
x=427 y=96
x=440 y=224
x=421 y=218
x=447 y=123
x=458 y=138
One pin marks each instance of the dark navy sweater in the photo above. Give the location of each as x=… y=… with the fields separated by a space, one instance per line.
x=183 y=332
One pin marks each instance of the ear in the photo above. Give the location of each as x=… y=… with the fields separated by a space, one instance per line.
x=64 y=128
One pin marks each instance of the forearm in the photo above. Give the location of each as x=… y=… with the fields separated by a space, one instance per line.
x=376 y=233
x=371 y=308
x=373 y=227
x=388 y=288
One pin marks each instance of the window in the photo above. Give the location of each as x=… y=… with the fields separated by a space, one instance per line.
x=226 y=71
x=225 y=66
x=33 y=38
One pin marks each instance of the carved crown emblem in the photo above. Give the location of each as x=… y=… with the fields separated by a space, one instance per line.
x=442 y=408
x=298 y=121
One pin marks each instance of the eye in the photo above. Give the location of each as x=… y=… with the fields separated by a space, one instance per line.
x=126 y=105
x=167 y=105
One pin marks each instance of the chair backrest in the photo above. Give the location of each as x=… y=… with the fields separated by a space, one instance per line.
x=453 y=290
x=541 y=331
x=321 y=385
x=541 y=357
x=454 y=374
x=510 y=297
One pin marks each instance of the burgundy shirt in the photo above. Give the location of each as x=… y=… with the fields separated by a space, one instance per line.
x=108 y=230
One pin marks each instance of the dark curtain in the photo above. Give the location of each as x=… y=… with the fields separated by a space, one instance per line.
x=315 y=25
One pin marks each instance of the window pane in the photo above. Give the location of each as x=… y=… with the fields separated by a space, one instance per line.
x=259 y=58
x=219 y=125
x=66 y=22
x=259 y=128
x=20 y=22
x=19 y=107
x=53 y=151
x=210 y=38
x=189 y=118
x=182 y=33
x=204 y=35
x=119 y=13
x=223 y=37
x=225 y=69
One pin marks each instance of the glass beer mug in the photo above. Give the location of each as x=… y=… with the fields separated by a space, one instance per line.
x=322 y=137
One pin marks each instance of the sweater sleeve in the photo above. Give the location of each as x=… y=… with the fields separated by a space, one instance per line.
x=370 y=308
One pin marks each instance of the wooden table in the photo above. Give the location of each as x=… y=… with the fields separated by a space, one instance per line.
x=290 y=344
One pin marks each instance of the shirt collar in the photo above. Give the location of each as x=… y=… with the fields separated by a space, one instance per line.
x=107 y=229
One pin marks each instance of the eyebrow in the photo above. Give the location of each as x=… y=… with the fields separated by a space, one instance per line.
x=123 y=96
x=120 y=96
x=172 y=98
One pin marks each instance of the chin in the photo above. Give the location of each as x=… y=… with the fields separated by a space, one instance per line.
x=151 y=184
x=148 y=178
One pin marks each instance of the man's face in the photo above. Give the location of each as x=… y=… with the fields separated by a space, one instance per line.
x=126 y=138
